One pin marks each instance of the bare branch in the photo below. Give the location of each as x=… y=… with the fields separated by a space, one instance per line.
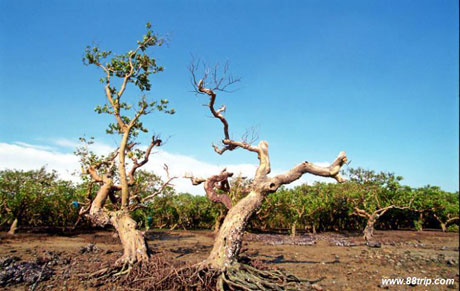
x=195 y=180
x=136 y=164
x=361 y=212
x=250 y=136
x=162 y=188
x=450 y=220
x=200 y=87
x=295 y=173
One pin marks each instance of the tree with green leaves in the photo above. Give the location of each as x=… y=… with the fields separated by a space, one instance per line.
x=373 y=194
x=110 y=172
x=316 y=200
x=35 y=198
x=443 y=206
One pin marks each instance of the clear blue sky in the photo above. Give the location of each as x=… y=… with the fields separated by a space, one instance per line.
x=378 y=79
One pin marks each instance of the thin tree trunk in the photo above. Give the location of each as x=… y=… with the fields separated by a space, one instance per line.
x=443 y=227
x=122 y=170
x=420 y=222
x=293 y=229
x=13 y=227
x=369 y=230
x=227 y=244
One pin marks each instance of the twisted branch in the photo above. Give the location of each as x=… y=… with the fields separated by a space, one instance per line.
x=214 y=183
x=295 y=173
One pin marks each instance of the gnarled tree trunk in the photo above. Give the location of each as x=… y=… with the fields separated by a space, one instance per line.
x=134 y=246
x=369 y=229
x=227 y=244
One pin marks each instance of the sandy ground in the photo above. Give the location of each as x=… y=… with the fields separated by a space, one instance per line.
x=344 y=261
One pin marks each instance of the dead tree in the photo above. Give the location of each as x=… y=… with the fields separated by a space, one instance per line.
x=227 y=244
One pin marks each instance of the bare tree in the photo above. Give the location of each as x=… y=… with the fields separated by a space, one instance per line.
x=227 y=244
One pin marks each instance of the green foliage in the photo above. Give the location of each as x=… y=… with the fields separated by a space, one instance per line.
x=453 y=228
x=39 y=198
x=36 y=198
x=442 y=205
x=182 y=210
x=418 y=224
x=136 y=68
x=377 y=190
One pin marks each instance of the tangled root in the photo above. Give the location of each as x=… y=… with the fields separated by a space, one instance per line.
x=163 y=274
x=246 y=277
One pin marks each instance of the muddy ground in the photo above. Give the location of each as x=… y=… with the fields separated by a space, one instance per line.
x=64 y=262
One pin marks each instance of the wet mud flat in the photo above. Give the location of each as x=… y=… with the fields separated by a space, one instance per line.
x=40 y=261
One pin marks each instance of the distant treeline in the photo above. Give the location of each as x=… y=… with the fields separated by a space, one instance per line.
x=38 y=198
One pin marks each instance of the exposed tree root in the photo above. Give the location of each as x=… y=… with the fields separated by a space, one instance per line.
x=246 y=277
x=163 y=274
x=125 y=269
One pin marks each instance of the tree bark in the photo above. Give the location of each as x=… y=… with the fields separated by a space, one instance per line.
x=122 y=170
x=293 y=229
x=443 y=227
x=369 y=230
x=97 y=215
x=227 y=244
x=13 y=227
x=134 y=246
x=218 y=222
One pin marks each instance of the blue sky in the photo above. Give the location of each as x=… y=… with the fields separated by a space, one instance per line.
x=378 y=79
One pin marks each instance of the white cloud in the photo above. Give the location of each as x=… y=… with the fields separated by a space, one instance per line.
x=38 y=147
x=27 y=157
x=23 y=156
x=63 y=142
x=97 y=147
